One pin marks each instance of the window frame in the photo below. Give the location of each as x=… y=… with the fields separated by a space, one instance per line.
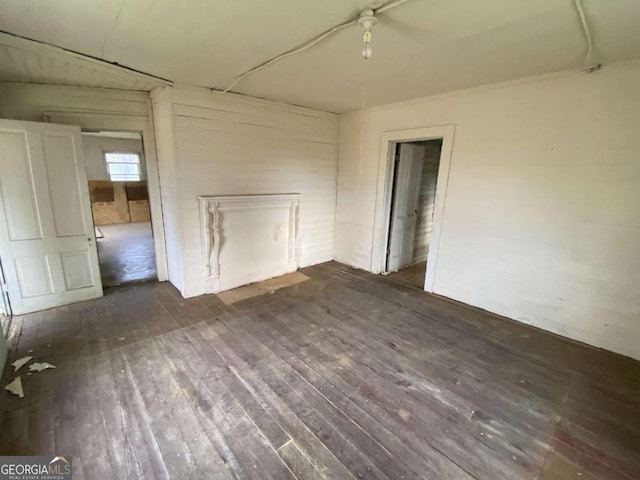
x=123 y=152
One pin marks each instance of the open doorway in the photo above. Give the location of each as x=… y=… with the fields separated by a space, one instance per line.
x=119 y=193
x=415 y=175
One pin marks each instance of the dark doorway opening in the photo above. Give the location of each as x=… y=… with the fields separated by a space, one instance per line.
x=415 y=176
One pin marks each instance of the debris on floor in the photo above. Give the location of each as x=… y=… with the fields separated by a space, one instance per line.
x=15 y=387
x=40 y=366
x=20 y=363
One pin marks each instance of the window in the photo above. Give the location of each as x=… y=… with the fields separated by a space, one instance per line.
x=123 y=166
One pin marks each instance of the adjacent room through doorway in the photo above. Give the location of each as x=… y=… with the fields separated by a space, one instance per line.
x=120 y=206
x=415 y=175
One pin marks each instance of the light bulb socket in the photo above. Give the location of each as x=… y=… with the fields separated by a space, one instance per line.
x=367 y=19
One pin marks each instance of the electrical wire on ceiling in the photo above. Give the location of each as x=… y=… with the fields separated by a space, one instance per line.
x=310 y=43
x=388 y=6
x=588 y=67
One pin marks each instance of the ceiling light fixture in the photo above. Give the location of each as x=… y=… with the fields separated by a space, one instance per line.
x=367 y=20
x=367 y=17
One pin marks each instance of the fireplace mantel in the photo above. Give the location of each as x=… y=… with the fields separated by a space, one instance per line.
x=248 y=238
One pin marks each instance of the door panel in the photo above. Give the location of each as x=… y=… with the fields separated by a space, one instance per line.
x=34 y=276
x=77 y=270
x=17 y=194
x=47 y=240
x=62 y=172
x=405 y=205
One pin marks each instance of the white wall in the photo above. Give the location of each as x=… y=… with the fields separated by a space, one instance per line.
x=542 y=214
x=230 y=144
x=94 y=148
x=163 y=122
x=24 y=101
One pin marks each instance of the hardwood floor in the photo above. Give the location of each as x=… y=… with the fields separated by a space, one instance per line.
x=347 y=375
x=127 y=253
x=413 y=275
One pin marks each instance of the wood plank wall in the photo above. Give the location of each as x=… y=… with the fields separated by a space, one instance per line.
x=424 y=223
x=230 y=144
x=21 y=101
x=164 y=129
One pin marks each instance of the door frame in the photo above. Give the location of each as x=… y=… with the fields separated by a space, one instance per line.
x=388 y=143
x=97 y=121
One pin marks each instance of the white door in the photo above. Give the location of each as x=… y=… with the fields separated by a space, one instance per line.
x=47 y=239
x=405 y=205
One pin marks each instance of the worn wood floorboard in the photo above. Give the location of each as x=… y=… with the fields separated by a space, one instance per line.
x=347 y=375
